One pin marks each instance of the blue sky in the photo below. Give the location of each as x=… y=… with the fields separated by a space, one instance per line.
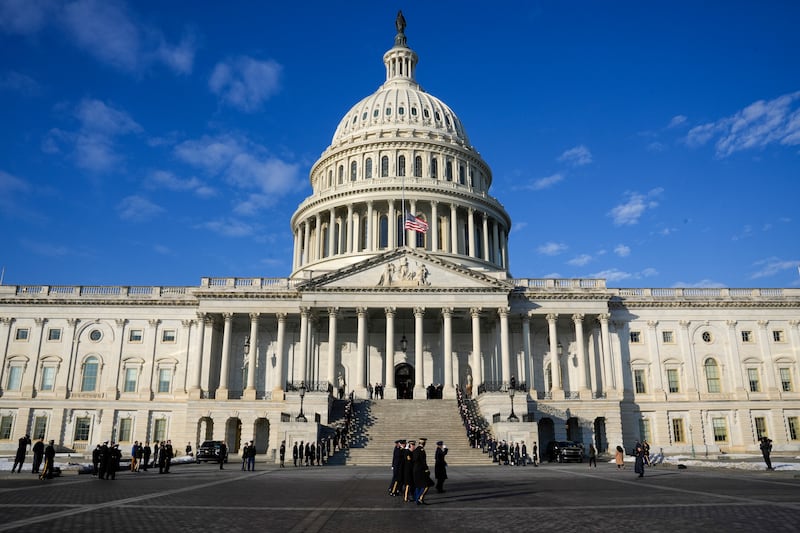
x=654 y=144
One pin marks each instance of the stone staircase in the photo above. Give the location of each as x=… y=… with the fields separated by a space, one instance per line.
x=378 y=423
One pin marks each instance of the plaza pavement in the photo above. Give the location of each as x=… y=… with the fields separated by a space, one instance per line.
x=552 y=497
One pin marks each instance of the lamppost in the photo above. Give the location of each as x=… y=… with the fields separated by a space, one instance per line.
x=404 y=343
x=512 y=417
x=301 y=417
x=691 y=439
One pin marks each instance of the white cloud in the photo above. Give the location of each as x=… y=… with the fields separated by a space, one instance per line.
x=137 y=208
x=10 y=189
x=629 y=213
x=577 y=156
x=677 y=120
x=620 y=275
x=518 y=226
x=773 y=266
x=229 y=227
x=760 y=124
x=25 y=17
x=702 y=284
x=580 y=260
x=544 y=183
x=656 y=146
x=552 y=248
x=622 y=250
x=168 y=180
x=19 y=83
x=245 y=83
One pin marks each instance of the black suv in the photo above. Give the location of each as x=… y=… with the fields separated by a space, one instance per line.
x=564 y=450
x=209 y=451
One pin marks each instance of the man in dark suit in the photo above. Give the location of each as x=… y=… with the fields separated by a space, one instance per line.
x=223 y=452
x=22 y=449
x=422 y=474
x=397 y=466
x=440 y=466
x=49 y=457
x=38 y=455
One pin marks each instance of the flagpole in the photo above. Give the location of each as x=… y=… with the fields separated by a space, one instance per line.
x=403 y=225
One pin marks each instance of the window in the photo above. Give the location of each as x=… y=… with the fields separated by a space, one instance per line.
x=639 y=381
x=761 y=427
x=131 y=378
x=672 y=380
x=341 y=174
x=786 y=379
x=712 y=375
x=89 y=380
x=353 y=171
x=636 y=337
x=644 y=429
x=82 y=426
x=368 y=168
x=135 y=335
x=677 y=430
x=375 y=113
x=125 y=425
x=54 y=334
x=720 y=429
x=434 y=168
x=414 y=111
x=388 y=111
x=418 y=167
x=39 y=427
x=95 y=335
x=794 y=427
x=777 y=335
x=448 y=171
x=747 y=336
x=364 y=115
x=667 y=337
x=384 y=166
x=752 y=377
x=383 y=232
x=21 y=334
x=401 y=165
x=168 y=335
x=706 y=336
x=164 y=379
x=160 y=429
x=48 y=378
x=401 y=110
x=426 y=113
x=14 y=377
x=5 y=427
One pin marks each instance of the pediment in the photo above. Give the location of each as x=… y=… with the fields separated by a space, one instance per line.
x=406 y=269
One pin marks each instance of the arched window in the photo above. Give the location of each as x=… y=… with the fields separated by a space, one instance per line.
x=330 y=178
x=89 y=378
x=462 y=175
x=401 y=165
x=383 y=235
x=341 y=174
x=418 y=167
x=353 y=169
x=368 y=168
x=384 y=166
x=434 y=168
x=449 y=171
x=712 y=375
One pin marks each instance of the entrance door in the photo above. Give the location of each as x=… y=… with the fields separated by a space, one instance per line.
x=404 y=381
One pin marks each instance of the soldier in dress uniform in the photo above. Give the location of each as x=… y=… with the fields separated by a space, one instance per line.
x=421 y=472
x=440 y=466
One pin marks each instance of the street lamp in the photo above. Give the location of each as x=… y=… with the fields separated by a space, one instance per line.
x=301 y=417
x=404 y=343
x=512 y=417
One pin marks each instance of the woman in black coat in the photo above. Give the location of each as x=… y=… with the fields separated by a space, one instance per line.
x=440 y=466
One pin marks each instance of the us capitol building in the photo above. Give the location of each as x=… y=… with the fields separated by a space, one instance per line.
x=400 y=276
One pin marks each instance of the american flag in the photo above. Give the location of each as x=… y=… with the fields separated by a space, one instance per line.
x=416 y=224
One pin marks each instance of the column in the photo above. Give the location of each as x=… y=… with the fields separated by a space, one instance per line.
x=29 y=388
x=453 y=229
x=332 y=313
x=370 y=225
x=197 y=357
x=735 y=362
x=318 y=244
x=419 y=376
x=503 y=249
x=526 y=353
x=331 y=231
x=686 y=351
x=471 y=232
x=154 y=323
x=505 y=354
x=578 y=321
x=389 y=381
x=766 y=356
x=349 y=243
x=495 y=243
x=434 y=226
x=486 y=237
x=62 y=385
x=277 y=390
x=592 y=356
x=447 y=315
x=361 y=384
x=655 y=357
x=252 y=358
x=605 y=341
x=391 y=224
x=302 y=351
x=477 y=368
x=555 y=360
x=296 y=254
x=306 y=241
x=411 y=235
x=115 y=369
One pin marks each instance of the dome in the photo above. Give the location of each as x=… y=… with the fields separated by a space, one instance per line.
x=400 y=103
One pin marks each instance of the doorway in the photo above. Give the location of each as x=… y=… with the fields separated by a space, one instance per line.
x=404 y=381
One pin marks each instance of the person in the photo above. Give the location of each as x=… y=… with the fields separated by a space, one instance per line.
x=646 y=448
x=619 y=458
x=408 y=471
x=245 y=455
x=535 y=453
x=766 y=449
x=49 y=457
x=283 y=453
x=469 y=385
x=146 y=451
x=170 y=453
x=421 y=472
x=105 y=457
x=638 y=452
x=134 y=449
x=592 y=456
x=139 y=457
x=22 y=449
x=295 y=453
x=223 y=452
x=370 y=390
x=156 y=450
x=113 y=464
x=38 y=455
x=96 y=460
x=524 y=450
x=397 y=468
x=251 y=457
x=440 y=465
x=189 y=448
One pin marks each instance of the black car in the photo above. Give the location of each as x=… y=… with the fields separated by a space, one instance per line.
x=209 y=451
x=564 y=450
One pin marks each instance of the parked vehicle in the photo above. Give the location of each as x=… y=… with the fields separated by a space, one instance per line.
x=209 y=451
x=564 y=451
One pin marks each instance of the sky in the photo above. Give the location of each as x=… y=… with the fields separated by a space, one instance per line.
x=652 y=144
